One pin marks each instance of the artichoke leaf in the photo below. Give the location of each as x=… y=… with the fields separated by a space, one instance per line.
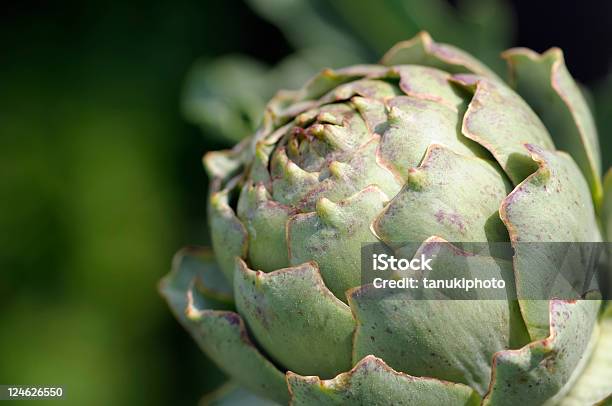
x=284 y=106
x=429 y=84
x=545 y=83
x=373 y=112
x=226 y=164
x=195 y=267
x=295 y=318
x=541 y=369
x=499 y=120
x=440 y=198
x=552 y=205
x=595 y=382
x=228 y=234
x=422 y=50
x=344 y=179
x=264 y=220
x=332 y=236
x=263 y=145
x=453 y=260
x=414 y=124
x=199 y=296
x=372 y=382
x=261 y=160
x=339 y=128
x=329 y=79
x=290 y=183
x=369 y=88
x=223 y=336
x=453 y=340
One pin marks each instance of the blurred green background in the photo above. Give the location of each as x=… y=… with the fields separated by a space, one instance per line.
x=100 y=170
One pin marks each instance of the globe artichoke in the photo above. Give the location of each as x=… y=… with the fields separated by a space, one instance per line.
x=428 y=146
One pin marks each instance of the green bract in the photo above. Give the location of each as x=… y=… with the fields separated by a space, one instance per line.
x=429 y=146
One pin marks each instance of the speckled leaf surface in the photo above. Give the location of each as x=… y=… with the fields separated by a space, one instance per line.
x=344 y=179
x=498 y=119
x=426 y=83
x=439 y=199
x=372 y=382
x=198 y=295
x=538 y=371
x=413 y=334
x=261 y=160
x=332 y=236
x=264 y=220
x=450 y=260
x=296 y=319
x=545 y=83
x=374 y=113
x=595 y=382
x=290 y=183
x=551 y=205
x=413 y=125
x=222 y=335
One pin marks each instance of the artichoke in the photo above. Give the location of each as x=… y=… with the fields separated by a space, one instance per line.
x=429 y=146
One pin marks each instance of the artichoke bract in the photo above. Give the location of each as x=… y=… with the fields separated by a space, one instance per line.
x=428 y=146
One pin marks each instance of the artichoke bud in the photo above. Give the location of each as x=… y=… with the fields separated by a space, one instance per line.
x=432 y=148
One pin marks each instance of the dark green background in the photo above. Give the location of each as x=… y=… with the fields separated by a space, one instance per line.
x=101 y=179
